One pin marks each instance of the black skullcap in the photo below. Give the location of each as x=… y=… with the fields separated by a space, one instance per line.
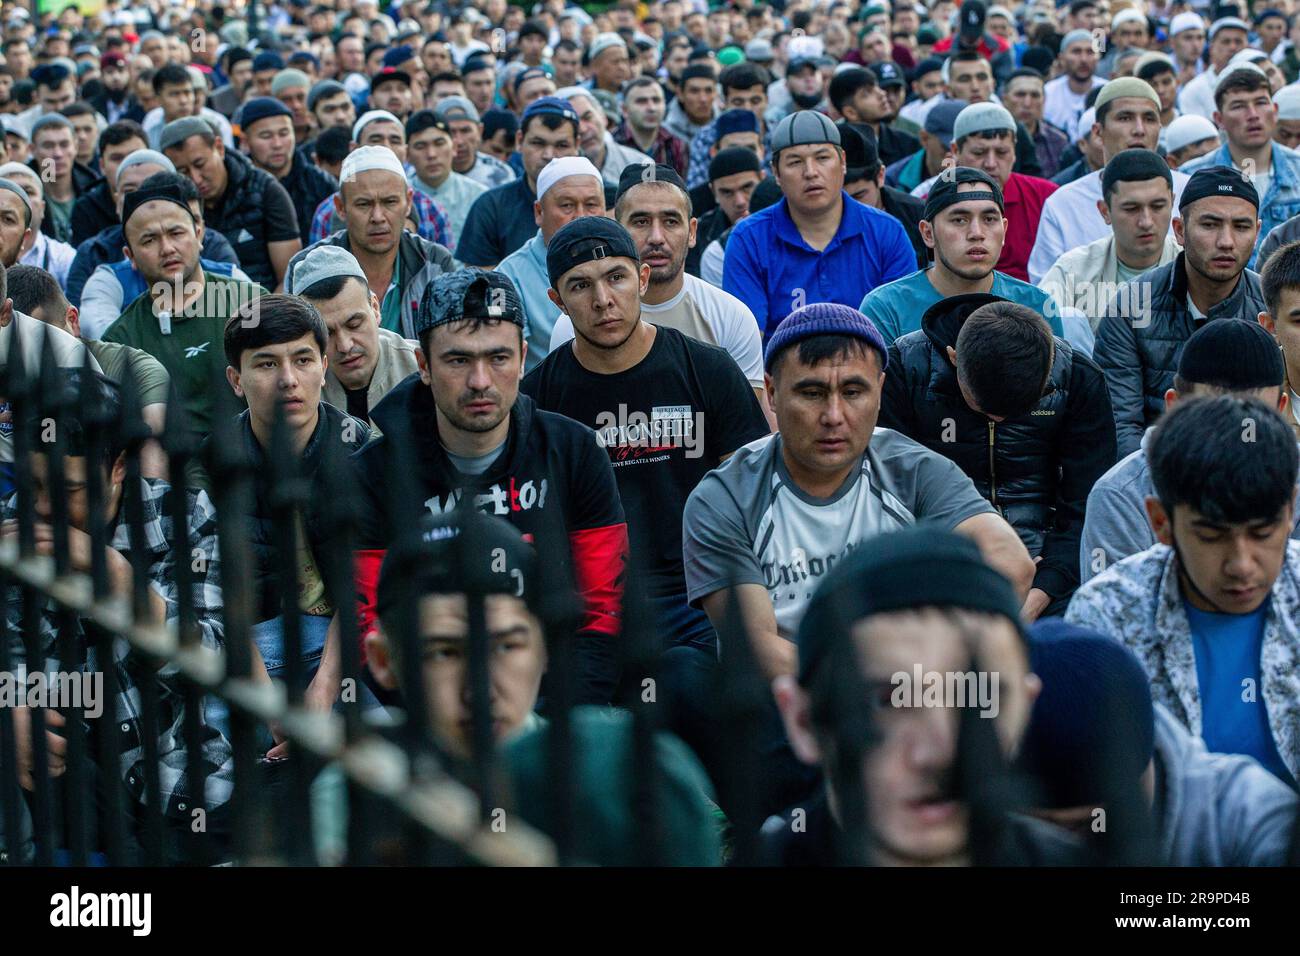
x=584 y=240
x=639 y=173
x=735 y=159
x=1133 y=166
x=1217 y=181
x=458 y=553
x=945 y=192
x=920 y=566
x=698 y=71
x=860 y=153
x=1236 y=355
x=135 y=200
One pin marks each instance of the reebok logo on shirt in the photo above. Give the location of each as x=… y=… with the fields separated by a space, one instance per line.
x=193 y=351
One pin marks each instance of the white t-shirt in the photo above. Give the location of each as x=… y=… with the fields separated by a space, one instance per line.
x=699 y=308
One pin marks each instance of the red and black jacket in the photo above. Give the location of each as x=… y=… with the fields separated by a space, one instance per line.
x=550 y=464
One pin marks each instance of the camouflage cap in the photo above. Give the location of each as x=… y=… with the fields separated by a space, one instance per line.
x=469 y=293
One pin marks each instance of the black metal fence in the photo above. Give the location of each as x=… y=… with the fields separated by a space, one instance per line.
x=405 y=800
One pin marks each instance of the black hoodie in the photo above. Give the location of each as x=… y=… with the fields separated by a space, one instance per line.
x=550 y=465
x=1035 y=469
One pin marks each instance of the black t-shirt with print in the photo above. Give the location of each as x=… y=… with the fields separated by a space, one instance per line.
x=665 y=422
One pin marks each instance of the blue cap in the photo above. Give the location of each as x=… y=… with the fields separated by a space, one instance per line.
x=824 y=318
x=736 y=121
x=398 y=55
x=549 y=106
x=267 y=60
x=260 y=108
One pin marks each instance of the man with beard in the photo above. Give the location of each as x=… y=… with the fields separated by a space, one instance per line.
x=1151 y=317
x=181 y=321
x=268 y=134
x=116 y=103
x=655 y=210
x=594 y=138
x=1064 y=97
x=643 y=103
x=696 y=402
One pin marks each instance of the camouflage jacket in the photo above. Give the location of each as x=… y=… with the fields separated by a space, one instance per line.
x=1139 y=602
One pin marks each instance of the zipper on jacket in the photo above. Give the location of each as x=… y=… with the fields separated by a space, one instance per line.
x=993 y=476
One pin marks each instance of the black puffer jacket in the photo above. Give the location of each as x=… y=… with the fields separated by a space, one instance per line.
x=1141 y=338
x=240 y=216
x=336 y=437
x=1037 y=469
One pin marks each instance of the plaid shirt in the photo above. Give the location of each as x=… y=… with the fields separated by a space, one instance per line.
x=698 y=172
x=131 y=669
x=667 y=149
x=433 y=221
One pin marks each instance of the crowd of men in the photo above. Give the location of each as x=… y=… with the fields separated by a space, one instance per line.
x=881 y=339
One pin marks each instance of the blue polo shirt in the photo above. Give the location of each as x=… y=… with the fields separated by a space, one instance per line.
x=771 y=269
x=896 y=309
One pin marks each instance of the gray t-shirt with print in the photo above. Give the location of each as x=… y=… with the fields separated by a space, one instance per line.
x=748 y=523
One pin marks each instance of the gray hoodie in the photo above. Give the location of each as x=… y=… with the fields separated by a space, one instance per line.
x=1217 y=809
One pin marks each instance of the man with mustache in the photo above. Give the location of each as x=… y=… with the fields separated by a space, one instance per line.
x=461 y=428
x=366 y=361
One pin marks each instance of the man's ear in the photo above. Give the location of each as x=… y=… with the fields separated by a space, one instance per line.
x=1178 y=230
x=232 y=376
x=6 y=313
x=555 y=298
x=72 y=321
x=927 y=233
x=1266 y=320
x=423 y=364
x=537 y=214
x=695 y=224
x=1104 y=210
x=796 y=714
x=644 y=273
x=1171 y=398
x=1161 y=522
x=951 y=354
x=220 y=147
x=379 y=660
x=117 y=474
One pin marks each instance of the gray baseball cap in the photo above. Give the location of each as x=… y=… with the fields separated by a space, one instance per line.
x=941 y=119
x=456 y=108
x=324 y=261
x=804 y=128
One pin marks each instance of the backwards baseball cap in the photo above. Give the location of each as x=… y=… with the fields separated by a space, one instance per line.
x=472 y=293
x=824 y=318
x=1217 y=181
x=585 y=240
x=804 y=128
x=456 y=108
x=319 y=263
x=946 y=190
x=638 y=173
x=920 y=566
x=1236 y=355
x=939 y=122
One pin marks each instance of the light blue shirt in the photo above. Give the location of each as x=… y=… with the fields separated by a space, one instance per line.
x=526 y=267
x=896 y=307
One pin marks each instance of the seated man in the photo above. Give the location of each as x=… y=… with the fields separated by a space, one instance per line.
x=163 y=607
x=1227 y=356
x=275 y=348
x=368 y=361
x=1025 y=416
x=1211 y=611
x=923 y=602
x=1095 y=728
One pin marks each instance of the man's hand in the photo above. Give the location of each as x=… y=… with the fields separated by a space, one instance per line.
x=56 y=747
x=1035 y=605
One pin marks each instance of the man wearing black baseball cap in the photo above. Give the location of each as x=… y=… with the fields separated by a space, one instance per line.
x=1145 y=325
x=666 y=407
x=460 y=428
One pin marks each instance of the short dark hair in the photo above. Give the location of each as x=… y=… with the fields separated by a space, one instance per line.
x=568 y=46
x=114 y=134
x=34 y=290
x=334 y=144
x=1200 y=458
x=272 y=320
x=182 y=184
x=1239 y=81
x=329 y=288
x=824 y=348
x=551 y=121
x=78 y=108
x=446 y=76
x=1153 y=69
x=742 y=76
x=1104 y=110
x=846 y=84
x=1004 y=358
x=1280 y=272
x=171 y=74
x=970 y=56
x=1023 y=72
x=146 y=76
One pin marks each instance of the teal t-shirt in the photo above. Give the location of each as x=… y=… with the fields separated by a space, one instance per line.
x=896 y=307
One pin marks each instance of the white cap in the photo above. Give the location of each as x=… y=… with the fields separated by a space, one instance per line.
x=368 y=118
x=1127 y=16
x=1248 y=55
x=1228 y=23
x=1233 y=68
x=1001 y=11
x=10 y=170
x=1187 y=129
x=1288 y=102
x=805 y=47
x=1086 y=122
x=365 y=158
x=1184 y=22
x=562 y=167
